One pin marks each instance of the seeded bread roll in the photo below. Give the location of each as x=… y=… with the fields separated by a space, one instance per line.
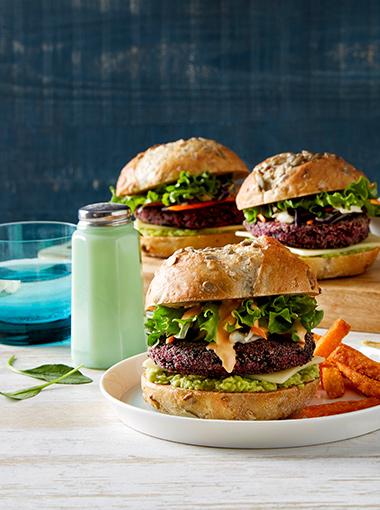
x=291 y=175
x=162 y=164
x=342 y=265
x=214 y=405
x=163 y=247
x=261 y=267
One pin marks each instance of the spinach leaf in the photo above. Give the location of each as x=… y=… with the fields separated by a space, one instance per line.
x=51 y=372
x=22 y=394
x=33 y=391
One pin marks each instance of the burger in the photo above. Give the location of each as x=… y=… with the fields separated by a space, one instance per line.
x=183 y=194
x=229 y=332
x=318 y=205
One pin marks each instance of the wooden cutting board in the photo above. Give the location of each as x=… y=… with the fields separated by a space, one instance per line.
x=355 y=299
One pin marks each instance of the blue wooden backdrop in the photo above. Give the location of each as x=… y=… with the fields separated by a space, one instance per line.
x=86 y=84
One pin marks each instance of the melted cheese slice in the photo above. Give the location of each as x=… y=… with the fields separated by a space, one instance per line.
x=222 y=346
x=370 y=243
x=284 y=375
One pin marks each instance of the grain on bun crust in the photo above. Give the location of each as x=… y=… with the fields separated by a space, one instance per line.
x=163 y=247
x=291 y=175
x=258 y=267
x=162 y=164
x=342 y=265
x=271 y=405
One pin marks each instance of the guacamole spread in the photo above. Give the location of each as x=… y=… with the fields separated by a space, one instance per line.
x=162 y=231
x=233 y=383
x=354 y=251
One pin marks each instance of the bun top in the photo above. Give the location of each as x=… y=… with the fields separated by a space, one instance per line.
x=162 y=164
x=291 y=175
x=261 y=267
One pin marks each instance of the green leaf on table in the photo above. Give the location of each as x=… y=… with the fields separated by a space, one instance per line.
x=22 y=394
x=51 y=372
x=63 y=373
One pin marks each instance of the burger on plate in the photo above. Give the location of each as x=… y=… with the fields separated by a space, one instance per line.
x=230 y=333
x=318 y=205
x=183 y=194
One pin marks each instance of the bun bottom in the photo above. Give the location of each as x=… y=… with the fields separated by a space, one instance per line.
x=271 y=405
x=163 y=247
x=342 y=265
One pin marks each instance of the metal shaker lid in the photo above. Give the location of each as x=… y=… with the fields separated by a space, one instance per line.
x=104 y=214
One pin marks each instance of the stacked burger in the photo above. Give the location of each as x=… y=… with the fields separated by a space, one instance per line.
x=230 y=333
x=183 y=194
x=318 y=205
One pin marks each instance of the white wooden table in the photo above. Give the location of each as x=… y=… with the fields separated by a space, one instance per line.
x=66 y=449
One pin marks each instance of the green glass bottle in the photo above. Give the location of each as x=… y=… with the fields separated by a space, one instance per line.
x=107 y=321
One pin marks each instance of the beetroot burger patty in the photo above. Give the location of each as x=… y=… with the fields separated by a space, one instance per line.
x=259 y=357
x=219 y=215
x=348 y=231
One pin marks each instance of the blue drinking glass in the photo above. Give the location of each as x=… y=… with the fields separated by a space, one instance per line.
x=35 y=282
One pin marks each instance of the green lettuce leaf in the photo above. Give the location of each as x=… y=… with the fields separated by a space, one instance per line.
x=358 y=194
x=132 y=201
x=202 y=187
x=246 y=315
x=184 y=326
x=279 y=314
x=208 y=321
x=163 y=322
x=166 y=321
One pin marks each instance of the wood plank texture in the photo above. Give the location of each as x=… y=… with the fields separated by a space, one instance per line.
x=87 y=84
x=66 y=449
x=356 y=299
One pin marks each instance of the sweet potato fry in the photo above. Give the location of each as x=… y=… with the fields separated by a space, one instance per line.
x=324 y=364
x=347 y=383
x=332 y=338
x=332 y=381
x=346 y=406
x=366 y=385
x=356 y=361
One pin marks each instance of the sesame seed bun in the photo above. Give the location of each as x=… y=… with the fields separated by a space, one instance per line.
x=261 y=267
x=291 y=175
x=162 y=164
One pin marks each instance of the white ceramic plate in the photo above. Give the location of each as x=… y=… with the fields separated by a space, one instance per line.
x=121 y=387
